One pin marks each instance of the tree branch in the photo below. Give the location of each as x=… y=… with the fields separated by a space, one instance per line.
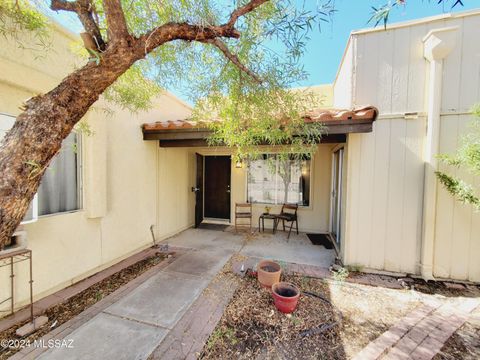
x=189 y=32
x=233 y=58
x=85 y=11
x=116 y=24
x=242 y=10
x=184 y=31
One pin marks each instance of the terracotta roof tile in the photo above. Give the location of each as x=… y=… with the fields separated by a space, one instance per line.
x=360 y=114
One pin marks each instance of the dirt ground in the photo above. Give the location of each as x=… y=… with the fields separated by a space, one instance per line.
x=63 y=312
x=348 y=318
x=338 y=327
x=465 y=343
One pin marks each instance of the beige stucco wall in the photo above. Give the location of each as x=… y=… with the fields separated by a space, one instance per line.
x=343 y=84
x=119 y=171
x=385 y=186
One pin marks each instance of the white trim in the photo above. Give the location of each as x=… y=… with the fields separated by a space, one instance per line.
x=311 y=189
x=338 y=194
x=437 y=46
x=424 y=20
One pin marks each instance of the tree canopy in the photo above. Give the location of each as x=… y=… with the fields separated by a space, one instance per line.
x=239 y=85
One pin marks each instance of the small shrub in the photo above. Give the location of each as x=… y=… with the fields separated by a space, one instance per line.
x=341 y=274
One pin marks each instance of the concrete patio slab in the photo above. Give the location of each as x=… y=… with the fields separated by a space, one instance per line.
x=205 y=262
x=298 y=249
x=161 y=300
x=110 y=337
x=207 y=239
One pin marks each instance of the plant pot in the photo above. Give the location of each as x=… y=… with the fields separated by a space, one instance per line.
x=268 y=273
x=285 y=297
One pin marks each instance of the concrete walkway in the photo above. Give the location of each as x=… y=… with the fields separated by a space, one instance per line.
x=133 y=326
x=148 y=312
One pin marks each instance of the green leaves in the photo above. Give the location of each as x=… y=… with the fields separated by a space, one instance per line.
x=247 y=114
x=18 y=17
x=459 y=189
x=467 y=158
x=258 y=117
x=381 y=14
x=133 y=91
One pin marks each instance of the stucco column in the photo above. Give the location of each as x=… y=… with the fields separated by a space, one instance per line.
x=437 y=45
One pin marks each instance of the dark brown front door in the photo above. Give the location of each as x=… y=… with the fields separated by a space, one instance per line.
x=217 y=187
x=198 y=189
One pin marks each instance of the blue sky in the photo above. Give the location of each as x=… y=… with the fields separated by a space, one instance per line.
x=325 y=48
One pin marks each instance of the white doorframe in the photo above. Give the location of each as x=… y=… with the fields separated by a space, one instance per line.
x=336 y=195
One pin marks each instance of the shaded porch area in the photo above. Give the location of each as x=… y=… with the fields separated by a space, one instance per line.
x=298 y=249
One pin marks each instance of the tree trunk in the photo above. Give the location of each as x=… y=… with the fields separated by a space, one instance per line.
x=38 y=132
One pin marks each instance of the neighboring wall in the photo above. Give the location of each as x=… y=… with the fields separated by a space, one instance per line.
x=385 y=186
x=343 y=85
x=119 y=176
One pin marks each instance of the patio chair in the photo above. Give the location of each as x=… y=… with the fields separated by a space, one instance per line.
x=288 y=214
x=243 y=211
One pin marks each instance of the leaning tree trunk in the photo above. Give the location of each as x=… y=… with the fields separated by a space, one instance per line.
x=38 y=132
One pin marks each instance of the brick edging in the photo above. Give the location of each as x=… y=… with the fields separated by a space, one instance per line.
x=422 y=333
x=188 y=337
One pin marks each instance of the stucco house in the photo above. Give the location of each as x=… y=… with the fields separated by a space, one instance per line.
x=405 y=94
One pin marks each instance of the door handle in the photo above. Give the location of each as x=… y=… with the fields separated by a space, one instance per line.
x=228 y=191
x=195 y=189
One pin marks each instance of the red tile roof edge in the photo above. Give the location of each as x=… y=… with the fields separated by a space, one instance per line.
x=333 y=116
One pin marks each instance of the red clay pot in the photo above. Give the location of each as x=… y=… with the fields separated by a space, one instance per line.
x=268 y=273
x=285 y=297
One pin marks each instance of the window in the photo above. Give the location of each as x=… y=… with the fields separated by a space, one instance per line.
x=59 y=190
x=275 y=179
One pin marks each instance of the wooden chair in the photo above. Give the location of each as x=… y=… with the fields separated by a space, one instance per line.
x=243 y=211
x=288 y=214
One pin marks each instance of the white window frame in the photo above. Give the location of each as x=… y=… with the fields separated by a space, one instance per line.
x=311 y=190
x=3 y=130
x=79 y=180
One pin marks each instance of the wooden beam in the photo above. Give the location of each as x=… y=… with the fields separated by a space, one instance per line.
x=183 y=143
x=179 y=134
x=349 y=128
x=189 y=134
x=168 y=143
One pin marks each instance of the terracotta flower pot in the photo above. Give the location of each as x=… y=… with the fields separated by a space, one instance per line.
x=268 y=273
x=285 y=297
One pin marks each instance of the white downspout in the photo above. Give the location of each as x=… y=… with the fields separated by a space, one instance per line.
x=437 y=45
